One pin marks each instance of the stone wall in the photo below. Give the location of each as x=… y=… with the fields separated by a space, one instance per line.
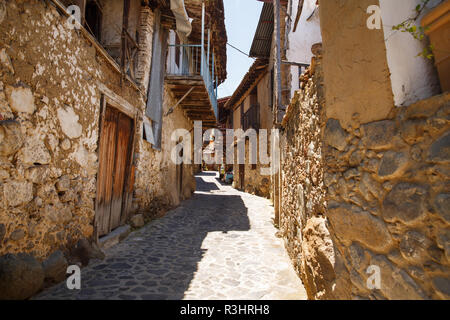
x=373 y=194
x=255 y=182
x=156 y=174
x=49 y=111
x=303 y=222
x=388 y=200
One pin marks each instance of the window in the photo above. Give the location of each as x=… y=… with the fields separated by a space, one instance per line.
x=177 y=50
x=93 y=17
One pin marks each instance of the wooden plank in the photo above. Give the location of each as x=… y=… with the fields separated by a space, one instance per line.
x=98 y=214
x=117 y=101
x=124 y=126
x=106 y=170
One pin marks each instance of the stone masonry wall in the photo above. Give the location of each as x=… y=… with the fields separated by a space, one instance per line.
x=156 y=174
x=254 y=182
x=372 y=194
x=303 y=223
x=49 y=111
x=389 y=200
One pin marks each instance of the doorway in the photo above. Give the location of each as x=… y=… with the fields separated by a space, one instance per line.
x=114 y=159
x=241 y=176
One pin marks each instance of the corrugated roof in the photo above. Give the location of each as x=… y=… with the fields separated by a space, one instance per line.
x=263 y=35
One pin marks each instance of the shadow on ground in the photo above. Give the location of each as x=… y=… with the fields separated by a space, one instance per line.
x=160 y=260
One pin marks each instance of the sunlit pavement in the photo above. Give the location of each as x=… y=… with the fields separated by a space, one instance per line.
x=220 y=244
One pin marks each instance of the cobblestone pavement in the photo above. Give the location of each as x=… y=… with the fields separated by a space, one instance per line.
x=220 y=244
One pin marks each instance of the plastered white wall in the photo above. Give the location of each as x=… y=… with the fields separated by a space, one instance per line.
x=306 y=34
x=413 y=77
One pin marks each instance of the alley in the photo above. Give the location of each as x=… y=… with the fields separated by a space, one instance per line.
x=220 y=244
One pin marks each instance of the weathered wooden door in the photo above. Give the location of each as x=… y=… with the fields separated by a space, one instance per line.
x=114 y=157
x=241 y=176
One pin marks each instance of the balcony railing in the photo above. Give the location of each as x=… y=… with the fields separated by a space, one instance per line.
x=193 y=62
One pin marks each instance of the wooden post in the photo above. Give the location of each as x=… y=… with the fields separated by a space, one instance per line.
x=209 y=43
x=203 y=38
x=277 y=65
x=123 y=58
x=212 y=68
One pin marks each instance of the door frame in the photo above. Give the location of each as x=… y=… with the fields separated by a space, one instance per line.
x=108 y=97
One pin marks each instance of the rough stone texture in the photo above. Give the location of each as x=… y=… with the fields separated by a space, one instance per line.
x=49 y=127
x=21 y=276
x=406 y=202
x=156 y=185
x=399 y=182
x=302 y=223
x=11 y=137
x=335 y=136
x=386 y=187
x=137 y=221
x=350 y=223
x=256 y=180
x=55 y=267
x=378 y=135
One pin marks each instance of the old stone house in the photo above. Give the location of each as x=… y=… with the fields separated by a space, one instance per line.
x=250 y=108
x=87 y=110
x=365 y=159
x=252 y=104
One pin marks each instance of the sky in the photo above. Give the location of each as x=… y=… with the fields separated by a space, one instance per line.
x=241 y=20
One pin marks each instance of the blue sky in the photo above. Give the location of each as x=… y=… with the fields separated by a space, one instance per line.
x=241 y=20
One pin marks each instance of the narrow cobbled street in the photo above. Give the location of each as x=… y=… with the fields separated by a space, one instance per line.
x=220 y=244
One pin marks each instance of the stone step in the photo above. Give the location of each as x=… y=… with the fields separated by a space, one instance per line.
x=114 y=237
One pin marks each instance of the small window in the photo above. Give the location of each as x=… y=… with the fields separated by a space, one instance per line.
x=93 y=16
x=177 y=50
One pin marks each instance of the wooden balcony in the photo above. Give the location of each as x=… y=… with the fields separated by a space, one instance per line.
x=190 y=78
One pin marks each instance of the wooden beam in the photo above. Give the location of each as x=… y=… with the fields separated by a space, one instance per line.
x=247 y=92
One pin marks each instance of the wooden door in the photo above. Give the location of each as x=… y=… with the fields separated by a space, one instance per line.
x=114 y=157
x=241 y=175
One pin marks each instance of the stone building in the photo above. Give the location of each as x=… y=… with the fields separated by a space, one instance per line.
x=88 y=103
x=250 y=107
x=364 y=165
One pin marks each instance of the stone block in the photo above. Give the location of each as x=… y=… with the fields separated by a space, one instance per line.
x=17 y=235
x=63 y=184
x=440 y=150
x=350 y=223
x=442 y=204
x=406 y=202
x=396 y=284
x=68 y=120
x=392 y=164
x=442 y=287
x=11 y=137
x=21 y=276
x=18 y=193
x=2 y=231
x=34 y=151
x=137 y=221
x=378 y=135
x=55 y=267
x=21 y=99
x=38 y=174
x=335 y=136
x=414 y=246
